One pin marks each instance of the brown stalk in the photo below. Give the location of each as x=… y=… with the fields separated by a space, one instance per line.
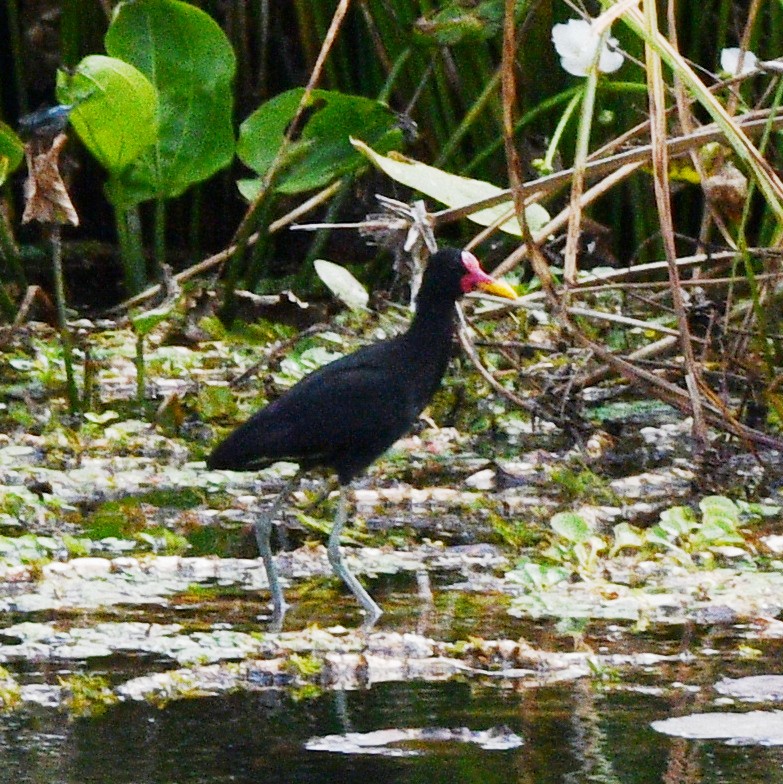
x=244 y=230
x=660 y=387
x=660 y=159
x=562 y=218
x=731 y=105
x=685 y=117
x=508 y=92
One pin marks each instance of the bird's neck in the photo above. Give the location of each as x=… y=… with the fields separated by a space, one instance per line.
x=434 y=319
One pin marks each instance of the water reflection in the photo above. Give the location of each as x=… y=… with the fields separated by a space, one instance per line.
x=573 y=733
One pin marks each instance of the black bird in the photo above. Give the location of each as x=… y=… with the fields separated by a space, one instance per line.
x=347 y=413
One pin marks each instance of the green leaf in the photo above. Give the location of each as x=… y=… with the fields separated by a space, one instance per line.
x=539 y=576
x=571 y=527
x=144 y=321
x=101 y=419
x=626 y=535
x=662 y=538
x=115 y=109
x=321 y=149
x=718 y=532
x=718 y=507
x=460 y=22
x=188 y=58
x=678 y=521
x=342 y=284
x=453 y=190
x=456 y=24
x=756 y=510
x=658 y=535
x=11 y=151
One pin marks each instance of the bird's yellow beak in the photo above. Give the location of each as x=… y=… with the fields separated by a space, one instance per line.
x=497 y=287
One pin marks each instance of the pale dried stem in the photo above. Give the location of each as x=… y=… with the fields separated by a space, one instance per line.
x=752 y=124
x=561 y=219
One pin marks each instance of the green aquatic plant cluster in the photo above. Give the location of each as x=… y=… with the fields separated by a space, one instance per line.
x=684 y=536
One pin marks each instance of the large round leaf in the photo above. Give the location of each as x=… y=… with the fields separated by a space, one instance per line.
x=115 y=110
x=190 y=61
x=321 y=149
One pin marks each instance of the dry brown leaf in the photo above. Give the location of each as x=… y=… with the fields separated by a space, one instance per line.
x=46 y=197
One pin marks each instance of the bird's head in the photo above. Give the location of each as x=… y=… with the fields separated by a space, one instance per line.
x=475 y=279
x=450 y=273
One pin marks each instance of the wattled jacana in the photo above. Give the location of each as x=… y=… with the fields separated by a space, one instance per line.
x=347 y=413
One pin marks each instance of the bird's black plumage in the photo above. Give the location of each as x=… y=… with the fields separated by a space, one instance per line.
x=346 y=414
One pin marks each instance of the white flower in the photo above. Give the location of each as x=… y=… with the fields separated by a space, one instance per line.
x=576 y=42
x=729 y=61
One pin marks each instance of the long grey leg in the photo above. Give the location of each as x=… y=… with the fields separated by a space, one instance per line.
x=263 y=532
x=372 y=610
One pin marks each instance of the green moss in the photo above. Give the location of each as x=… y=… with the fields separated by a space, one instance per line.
x=77 y=548
x=583 y=485
x=307 y=692
x=87 y=695
x=261 y=332
x=213 y=326
x=20 y=414
x=10 y=691
x=200 y=592
x=227 y=542
x=179 y=498
x=127 y=520
x=515 y=533
x=217 y=403
x=121 y=519
x=222 y=500
x=163 y=541
x=304 y=666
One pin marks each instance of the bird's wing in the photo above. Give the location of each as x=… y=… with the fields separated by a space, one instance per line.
x=341 y=407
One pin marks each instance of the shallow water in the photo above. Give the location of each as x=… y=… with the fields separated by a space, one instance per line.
x=571 y=733
x=577 y=722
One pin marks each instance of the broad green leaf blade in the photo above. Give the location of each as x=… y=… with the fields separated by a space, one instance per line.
x=539 y=577
x=571 y=527
x=249 y=189
x=719 y=532
x=321 y=150
x=190 y=61
x=626 y=535
x=115 y=110
x=718 y=507
x=453 y=190
x=342 y=284
x=11 y=151
x=678 y=520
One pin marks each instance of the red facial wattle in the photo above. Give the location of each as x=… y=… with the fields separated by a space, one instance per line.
x=476 y=278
